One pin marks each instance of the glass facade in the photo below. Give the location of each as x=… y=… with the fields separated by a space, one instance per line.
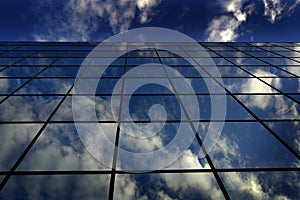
x=257 y=155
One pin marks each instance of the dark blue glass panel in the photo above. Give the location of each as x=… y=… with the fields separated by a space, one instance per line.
x=77 y=54
x=223 y=48
x=288 y=131
x=113 y=72
x=84 y=47
x=18 y=53
x=271 y=106
x=273 y=48
x=115 y=62
x=60 y=47
x=7 y=47
x=27 y=108
x=106 y=85
x=268 y=185
x=62 y=143
x=140 y=61
x=232 y=54
x=249 y=144
x=188 y=71
x=168 y=54
x=9 y=61
x=47 y=86
x=246 y=61
x=280 y=61
x=69 y=61
x=147 y=71
x=234 y=110
x=60 y=72
x=107 y=54
x=289 y=53
x=175 y=61
x=263 y=54
x=27 y=47
x=36 y=61
x=21 y=71
x=202 y=54
x=142 y=53
x=198 y=85
x=287 y=85
x=139 y=107
x=49 y=54
x=248 y=48
x=91 y=187
x=231 y=71
x=147 y=86
x=221 y=61
x=7 y=86
x=296 y=97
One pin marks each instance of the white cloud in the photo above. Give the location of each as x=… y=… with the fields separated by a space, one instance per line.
x=276 y=9
x=163 y=196
x=78 y=20
x=273 y=8
x=126 y=188
x=141 y=144
x=222 y=29
x=283 y=108
x=186 y=181
x=246 y=185
x=225 y=27
x=253 y=85
x=14 y=139
x=146 y=9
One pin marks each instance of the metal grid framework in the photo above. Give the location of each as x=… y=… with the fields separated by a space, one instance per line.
x=257 y=155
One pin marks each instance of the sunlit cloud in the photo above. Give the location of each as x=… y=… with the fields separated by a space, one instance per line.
x=78 y=20
x=225 y=27
x=274 y=10
x=126 y=188
x=283 y=108
x=146 y=9
x=255 y=86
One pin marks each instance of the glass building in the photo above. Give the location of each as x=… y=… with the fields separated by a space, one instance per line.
x=43 y=155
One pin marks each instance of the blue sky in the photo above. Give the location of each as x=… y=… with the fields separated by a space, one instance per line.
x=92 y=20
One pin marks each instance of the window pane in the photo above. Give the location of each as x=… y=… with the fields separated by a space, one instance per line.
x=15 y=138
x=27 y=108
x=62 y=144
x=7 y=86
x=47 y=86
x=262 y=185
x=57 y=187
x=167 y=186
x=271 y=106
x=247 y=145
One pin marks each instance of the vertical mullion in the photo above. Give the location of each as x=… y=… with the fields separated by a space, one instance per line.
x=117 y=138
